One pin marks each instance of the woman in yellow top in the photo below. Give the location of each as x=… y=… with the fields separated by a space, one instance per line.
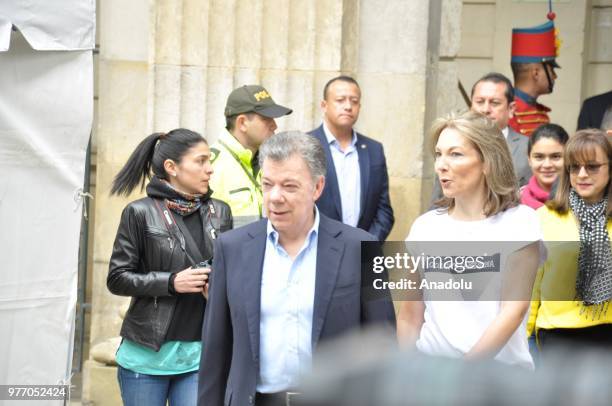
x=574 y=286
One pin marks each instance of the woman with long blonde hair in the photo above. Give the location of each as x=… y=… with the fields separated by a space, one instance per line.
x=480 y=203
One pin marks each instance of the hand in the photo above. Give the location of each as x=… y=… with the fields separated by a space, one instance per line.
x=191 y=280
x=205 y=290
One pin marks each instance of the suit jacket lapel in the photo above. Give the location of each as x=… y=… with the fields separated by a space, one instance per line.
x=331 y=180
x=513 y=141
x=329 y=253
x=364 y=167
x=252 y=267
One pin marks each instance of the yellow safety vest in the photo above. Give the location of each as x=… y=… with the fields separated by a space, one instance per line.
x=233 y=180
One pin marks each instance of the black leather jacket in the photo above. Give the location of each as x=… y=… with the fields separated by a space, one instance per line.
x=146 y=252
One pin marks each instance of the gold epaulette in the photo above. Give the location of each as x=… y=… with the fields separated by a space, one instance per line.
x=527 y=113
x=533 y=121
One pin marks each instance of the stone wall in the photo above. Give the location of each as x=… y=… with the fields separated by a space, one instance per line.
x=598 y=55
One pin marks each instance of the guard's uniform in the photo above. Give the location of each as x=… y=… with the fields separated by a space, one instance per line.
x=533 y=45
x=235 y=181
x=528 y=114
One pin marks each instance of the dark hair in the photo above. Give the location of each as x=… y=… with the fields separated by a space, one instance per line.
x=150 y=155
x=554 y=131
x=230 y=121
x=341 y=78
x=520 y=69
x=579 y=149
x=496 y=77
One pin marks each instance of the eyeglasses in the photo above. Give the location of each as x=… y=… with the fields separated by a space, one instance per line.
x=591 y=169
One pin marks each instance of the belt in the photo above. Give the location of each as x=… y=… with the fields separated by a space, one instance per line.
x=277 y=399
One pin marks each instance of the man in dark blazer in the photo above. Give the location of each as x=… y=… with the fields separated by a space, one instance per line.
x=593 y=110
x=493 y=96
x=357 y=183
x=282 y=285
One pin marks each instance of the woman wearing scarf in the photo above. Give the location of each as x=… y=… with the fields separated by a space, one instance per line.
x=574 y=286
x=159 y=259
x=545 y=157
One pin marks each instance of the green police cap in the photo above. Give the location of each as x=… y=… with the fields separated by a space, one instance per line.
x=253 y=99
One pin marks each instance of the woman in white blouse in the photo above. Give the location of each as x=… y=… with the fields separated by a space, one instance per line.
x=480 y=203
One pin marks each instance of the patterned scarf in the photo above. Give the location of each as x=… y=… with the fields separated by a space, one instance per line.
x=179 y=202
x=594 y=281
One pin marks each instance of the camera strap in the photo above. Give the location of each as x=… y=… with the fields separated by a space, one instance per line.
x=179 y=230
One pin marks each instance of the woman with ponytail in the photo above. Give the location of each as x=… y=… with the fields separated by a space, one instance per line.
x=160 y=258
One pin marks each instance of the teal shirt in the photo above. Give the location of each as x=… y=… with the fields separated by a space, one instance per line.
x=173 y=358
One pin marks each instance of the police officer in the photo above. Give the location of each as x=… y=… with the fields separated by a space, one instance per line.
x=249 y=115
x=533 y=65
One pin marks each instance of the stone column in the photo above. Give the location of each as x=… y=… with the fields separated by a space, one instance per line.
x=443 y=94
x=124 y=117
x=598 y=54
x=405 y=86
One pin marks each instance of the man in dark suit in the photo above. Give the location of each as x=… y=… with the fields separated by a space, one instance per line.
x=593 y=110
x=357 y=191
x=493 y=96
x=282 y=285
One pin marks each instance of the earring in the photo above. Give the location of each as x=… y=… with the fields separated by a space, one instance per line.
x=174 y=174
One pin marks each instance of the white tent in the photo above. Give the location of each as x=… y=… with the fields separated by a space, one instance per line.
x=46 y=110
